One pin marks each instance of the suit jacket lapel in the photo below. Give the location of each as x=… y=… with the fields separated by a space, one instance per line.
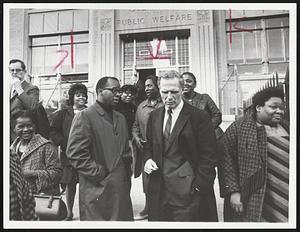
x=158 y=125
x=180 y=122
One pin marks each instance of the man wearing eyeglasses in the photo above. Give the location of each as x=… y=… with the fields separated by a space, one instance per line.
x=98 y=144
x=23 y=95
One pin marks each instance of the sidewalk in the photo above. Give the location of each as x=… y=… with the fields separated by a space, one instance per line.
x=138 y=199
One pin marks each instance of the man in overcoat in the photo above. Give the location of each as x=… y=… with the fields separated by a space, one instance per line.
x=98 y=141
x=23 y=95
x=180 y=158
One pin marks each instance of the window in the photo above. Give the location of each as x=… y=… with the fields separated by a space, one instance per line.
x=51 y=34
x=247 y=37
x=277 y=31
x=46 y=55
x=168 y=51
x=245 y=45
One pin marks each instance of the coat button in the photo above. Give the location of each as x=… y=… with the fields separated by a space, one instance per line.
x=198 y=190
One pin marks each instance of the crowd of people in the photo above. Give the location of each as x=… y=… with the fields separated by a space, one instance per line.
x=164 y=131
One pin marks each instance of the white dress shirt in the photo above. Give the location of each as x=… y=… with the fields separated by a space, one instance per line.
x=175 y=113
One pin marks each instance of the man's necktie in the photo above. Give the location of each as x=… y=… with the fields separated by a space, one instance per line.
x=167 y=130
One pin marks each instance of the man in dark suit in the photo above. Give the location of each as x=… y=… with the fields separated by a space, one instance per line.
x=180 y=158
x=23 y=95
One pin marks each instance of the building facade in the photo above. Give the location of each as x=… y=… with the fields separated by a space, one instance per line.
x=231 y=52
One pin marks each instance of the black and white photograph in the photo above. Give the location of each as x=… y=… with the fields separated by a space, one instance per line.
x=144 y=115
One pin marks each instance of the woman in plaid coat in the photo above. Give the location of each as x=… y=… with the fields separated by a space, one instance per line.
x=38 y=156
x=21 y=200
x=246 y=165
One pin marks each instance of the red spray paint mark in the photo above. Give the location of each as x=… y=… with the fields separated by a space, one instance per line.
x=152 y=57
x=67 y=53
x=238 y=29
x=72 y=48
x=63 y=59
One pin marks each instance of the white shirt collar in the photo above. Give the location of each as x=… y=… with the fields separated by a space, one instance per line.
x=175 y=114
x=177 y=109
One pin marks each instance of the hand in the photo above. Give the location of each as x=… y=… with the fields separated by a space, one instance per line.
x=139 y=142
x=150 y=166
x=235 y=202
x=16 y=82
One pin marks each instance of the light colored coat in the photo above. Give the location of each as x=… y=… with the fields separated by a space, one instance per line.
x=95 y=149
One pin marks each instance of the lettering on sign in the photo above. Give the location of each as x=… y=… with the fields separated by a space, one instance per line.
x=171 y=18
x=134 y=21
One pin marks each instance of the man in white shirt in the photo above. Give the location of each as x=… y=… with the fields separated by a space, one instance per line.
x=180 y=158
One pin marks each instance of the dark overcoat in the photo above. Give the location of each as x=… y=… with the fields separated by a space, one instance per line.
x=28 y=100
x=95 y=149
x=60 y=126
x=194 y=134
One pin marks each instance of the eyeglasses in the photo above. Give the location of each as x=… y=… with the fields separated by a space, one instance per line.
x=17 y=70
x=128 y=93
x=113 y=90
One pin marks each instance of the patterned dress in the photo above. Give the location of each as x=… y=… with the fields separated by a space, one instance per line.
x=275 y=207
x=21 y=200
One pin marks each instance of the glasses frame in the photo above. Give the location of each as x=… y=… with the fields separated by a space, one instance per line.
x=17 y=70
x=113 y=90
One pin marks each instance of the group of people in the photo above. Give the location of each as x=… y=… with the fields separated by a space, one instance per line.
x=170 y=136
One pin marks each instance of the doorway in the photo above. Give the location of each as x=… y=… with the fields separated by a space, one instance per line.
x=143 y=73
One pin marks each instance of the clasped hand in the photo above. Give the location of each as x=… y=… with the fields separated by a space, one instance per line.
x=235 y=202
x=150 y=166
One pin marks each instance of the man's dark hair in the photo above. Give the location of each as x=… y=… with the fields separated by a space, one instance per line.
x=102 y=82
x=26 y=114
x=74 y=89
x=130 y=88
x=154 y=80
x=16 y=61
x=191 y=75
x=264 y=95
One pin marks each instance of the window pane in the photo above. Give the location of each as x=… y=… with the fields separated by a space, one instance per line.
x=65 y=20
x=49 y=40
x=253 y=46
x=287 y=43
x=66 y=66
x=183 y=51
x=170 y=52
x=128 y=77
x=35 y=24
x=128 y=54
x=236 y=50
x=38 y=58
x=81 y=20
x=275 y=44
x=51 y=59
x=50 y=22
x=278 y=22
x=144 y=47
x=81 y=57
x=76 y=37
